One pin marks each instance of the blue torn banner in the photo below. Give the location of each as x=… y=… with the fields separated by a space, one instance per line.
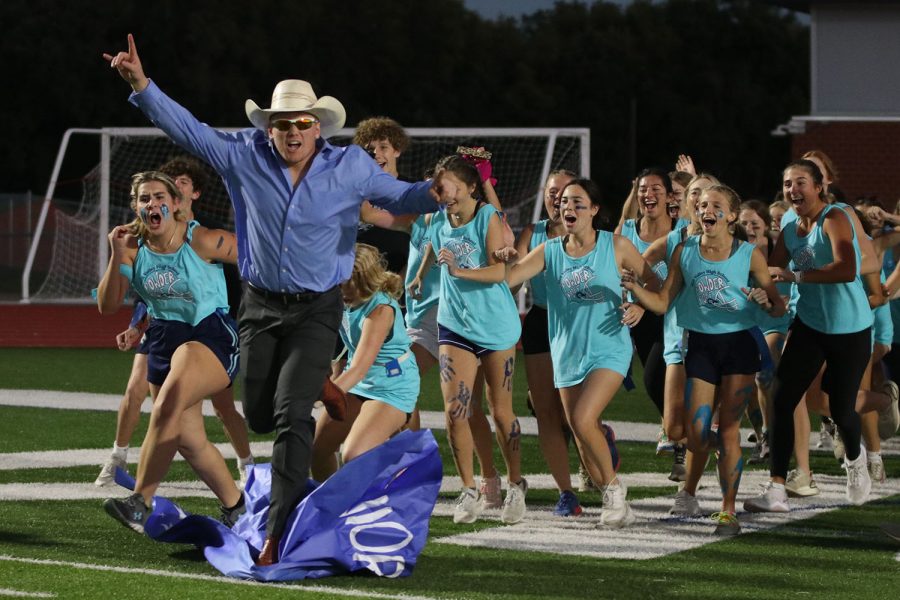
x=372 y=515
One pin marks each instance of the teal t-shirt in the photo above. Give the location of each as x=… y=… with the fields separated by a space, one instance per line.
x=394 y=377
x=431 y=283
x=180 y=286
x=483 y=313
x=711 y=300
x=538 y=285
x=585 y=323
x=828 y=307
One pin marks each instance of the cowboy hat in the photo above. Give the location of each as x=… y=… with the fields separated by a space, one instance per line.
x=296 y=95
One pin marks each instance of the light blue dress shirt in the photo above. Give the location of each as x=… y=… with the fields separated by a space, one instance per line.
x=290 y=239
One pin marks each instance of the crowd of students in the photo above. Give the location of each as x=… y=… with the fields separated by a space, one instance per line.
x=733 y=308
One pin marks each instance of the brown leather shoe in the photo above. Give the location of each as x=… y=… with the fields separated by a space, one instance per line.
x=269 y=553
x=334 y=399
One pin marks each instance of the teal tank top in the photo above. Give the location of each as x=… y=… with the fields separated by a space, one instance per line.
x=630 y=231
x=538 y=284
x=672 y=333
x=584 y=320
x=394 y=377
x=180 y=286
x=416 y=308
x=483 y=313
x=711 y=300
x=829 y=307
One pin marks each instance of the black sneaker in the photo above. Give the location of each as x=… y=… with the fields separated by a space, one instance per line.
x=230 y=516
x=130 y=512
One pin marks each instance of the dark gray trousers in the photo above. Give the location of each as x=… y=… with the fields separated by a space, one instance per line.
x=286 y=349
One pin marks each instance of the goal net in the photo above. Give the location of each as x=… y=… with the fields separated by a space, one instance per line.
x=73 y=249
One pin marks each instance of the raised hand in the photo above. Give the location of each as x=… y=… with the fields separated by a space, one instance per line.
x=685 y=163
x=128 y=64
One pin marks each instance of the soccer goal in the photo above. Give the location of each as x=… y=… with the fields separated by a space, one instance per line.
x=71 y=238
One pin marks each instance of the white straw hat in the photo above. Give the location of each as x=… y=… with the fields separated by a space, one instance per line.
x=296 y=95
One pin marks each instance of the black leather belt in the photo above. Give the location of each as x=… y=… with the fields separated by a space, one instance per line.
x=285 y=297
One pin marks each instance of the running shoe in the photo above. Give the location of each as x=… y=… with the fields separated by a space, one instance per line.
x=568 y=505
x=616 y=512
x=107 y=474
x=685 y=505
x=489 y=492
x=679 y=470
x=230 y=516
x=514 y=503
x=663 y=444
x=889 y=418
x=726 y=523
x=760 y=452
x=771 y=500
x=824 y=442
x=613 y=451
x=130 y=512
x=800 y=485
x=585 y=483
x=859 y=484
x=876 y=468
x=467 y=507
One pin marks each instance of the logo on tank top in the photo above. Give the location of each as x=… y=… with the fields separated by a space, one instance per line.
x=464 y=250
x=712 y=291
x=805 y=258
x=164 y=283
x=576 y=285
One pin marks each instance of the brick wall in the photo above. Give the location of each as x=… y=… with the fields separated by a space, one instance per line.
x=865 y=154
x=59 y=325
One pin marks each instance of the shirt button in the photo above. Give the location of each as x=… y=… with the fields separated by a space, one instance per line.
x=284 y=270
x=285 y=249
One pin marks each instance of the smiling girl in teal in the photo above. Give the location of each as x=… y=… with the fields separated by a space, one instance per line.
x=707 y=281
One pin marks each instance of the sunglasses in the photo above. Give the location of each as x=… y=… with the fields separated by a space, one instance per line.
x=303 y=123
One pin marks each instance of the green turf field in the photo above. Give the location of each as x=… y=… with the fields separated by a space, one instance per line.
x=71 y=549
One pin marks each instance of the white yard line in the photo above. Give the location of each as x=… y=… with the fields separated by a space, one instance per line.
x=320 y=589
x=625 y=431
x=655 y=533
x=6 y=592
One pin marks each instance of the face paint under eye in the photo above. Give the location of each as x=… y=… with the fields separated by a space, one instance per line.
x=144 y=215
x=720 y=214
x=165 y=211
x=582 y=208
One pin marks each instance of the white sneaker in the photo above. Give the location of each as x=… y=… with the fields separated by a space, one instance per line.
x=876 y=468
x=771 y=500
x=616 y=512
x=889 y=418
x=490 y=492
x=824 y=442
x=685 y=505
x=799 y=484
x=107 y=474
x=514 y=503
x=468 y=508
x=859 y=484
x=663 y=444
x=585 y=483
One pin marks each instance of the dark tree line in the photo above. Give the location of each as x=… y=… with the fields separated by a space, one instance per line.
x=704 y=77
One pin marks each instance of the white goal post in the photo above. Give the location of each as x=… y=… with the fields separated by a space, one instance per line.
x=74 y=251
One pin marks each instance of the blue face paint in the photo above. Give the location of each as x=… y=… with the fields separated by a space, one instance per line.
x=144 y=215
x=165 y=211
x=720 y=214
